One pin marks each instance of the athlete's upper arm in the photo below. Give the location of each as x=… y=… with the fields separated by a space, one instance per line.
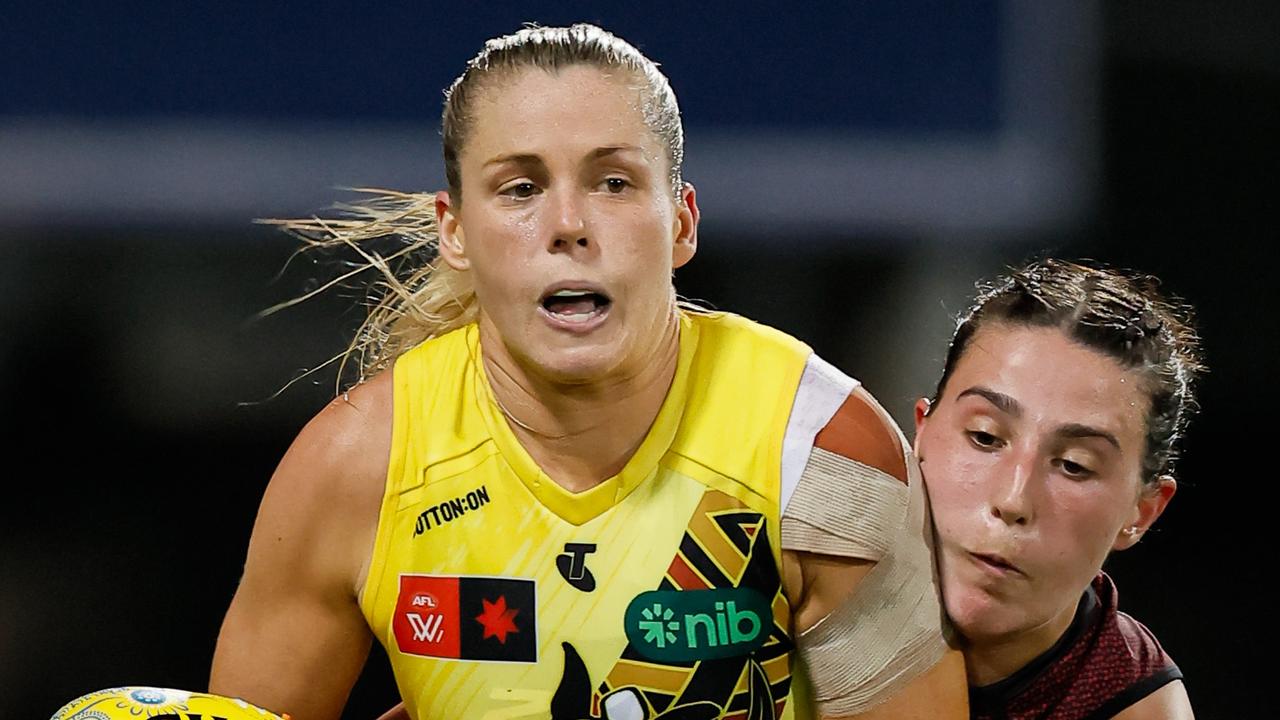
x=940 y=694
x=858 y=566
x=294 y=639
x=817 y=582
x=1168 y=703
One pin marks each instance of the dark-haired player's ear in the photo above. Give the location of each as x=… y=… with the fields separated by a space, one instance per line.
x=923 y=407
x=1152 y=501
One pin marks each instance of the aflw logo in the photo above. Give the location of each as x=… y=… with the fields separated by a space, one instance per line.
x=427 y=630
x=467 y=618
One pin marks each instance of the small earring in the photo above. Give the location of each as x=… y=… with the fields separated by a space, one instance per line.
x=1132 y=530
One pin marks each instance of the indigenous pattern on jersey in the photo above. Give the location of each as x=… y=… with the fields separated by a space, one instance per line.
x=1104 y=663
x=498 y=594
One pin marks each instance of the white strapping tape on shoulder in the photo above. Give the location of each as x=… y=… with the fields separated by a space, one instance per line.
x=890 y=631
x=823 y=389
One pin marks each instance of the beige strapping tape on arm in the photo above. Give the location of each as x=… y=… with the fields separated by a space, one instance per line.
x=890 y=630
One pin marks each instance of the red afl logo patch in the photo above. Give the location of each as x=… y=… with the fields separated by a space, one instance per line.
x=467 y=618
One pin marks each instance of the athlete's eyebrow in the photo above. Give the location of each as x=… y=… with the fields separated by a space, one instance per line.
x=1003 y=402
x=517 y=158
x=1009 y=406
x=615 y=149
x=1077 y=430
x=532 y=159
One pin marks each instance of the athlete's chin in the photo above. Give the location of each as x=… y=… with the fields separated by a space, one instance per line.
x=976 y=613
x=584 y=364
x=981 y=618
x=986 y=629
x=579 y=358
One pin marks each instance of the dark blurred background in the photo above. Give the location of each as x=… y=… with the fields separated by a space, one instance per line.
x=858 y=166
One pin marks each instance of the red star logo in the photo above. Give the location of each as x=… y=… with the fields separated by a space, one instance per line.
x=497 y=619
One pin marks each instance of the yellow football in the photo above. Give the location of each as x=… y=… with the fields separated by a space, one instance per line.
x=148 y=703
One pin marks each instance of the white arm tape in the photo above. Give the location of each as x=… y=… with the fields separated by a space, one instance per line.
x=890 y=631
x=843 y=507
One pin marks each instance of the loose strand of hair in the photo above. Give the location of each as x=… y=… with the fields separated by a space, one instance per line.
x=409 y=302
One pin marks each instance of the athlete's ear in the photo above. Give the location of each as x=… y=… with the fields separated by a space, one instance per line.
x=452 y=237
x=686 y=227
x=1152 y=500
x=922 y=409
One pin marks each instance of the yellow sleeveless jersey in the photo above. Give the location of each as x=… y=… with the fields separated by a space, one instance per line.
x=498 y=594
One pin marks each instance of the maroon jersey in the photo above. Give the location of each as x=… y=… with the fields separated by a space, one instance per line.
x=1105 y=662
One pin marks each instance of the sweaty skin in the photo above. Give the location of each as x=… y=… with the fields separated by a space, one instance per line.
x=1033 y=460
x=564 y=187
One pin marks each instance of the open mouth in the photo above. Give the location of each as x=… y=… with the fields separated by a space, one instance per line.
x=575 y=305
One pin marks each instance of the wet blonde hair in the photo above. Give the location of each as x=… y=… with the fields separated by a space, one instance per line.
x=417 y=296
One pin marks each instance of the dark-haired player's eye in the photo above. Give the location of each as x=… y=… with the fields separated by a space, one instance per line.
x=1074 y=469
x=984 y=440
x=615 y=185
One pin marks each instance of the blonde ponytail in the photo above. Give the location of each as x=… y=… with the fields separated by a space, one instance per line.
x=416 y=297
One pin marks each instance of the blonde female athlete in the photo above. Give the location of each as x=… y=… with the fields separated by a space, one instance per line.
x=560 y=495
x=1049 y=444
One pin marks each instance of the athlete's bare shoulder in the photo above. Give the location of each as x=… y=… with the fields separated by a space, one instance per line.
x=862 y=431
x=326 y=493
x=350 y=438
x=294 y=637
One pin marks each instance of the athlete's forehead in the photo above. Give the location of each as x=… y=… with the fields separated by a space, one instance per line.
x=580 y=111
x=621 y=152
x=1039 y=375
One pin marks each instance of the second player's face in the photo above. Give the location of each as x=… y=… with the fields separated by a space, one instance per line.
x=568 y=224
x=1032 y=458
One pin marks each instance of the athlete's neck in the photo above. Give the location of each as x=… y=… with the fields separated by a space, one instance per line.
x=990 y=660
x=581 y=434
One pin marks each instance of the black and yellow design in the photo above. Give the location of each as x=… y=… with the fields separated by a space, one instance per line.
x=716 y=633
x=573 y=700
x=685 y=616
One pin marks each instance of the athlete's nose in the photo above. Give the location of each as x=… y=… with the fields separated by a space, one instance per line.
x=1011 y=500
x=569 y=222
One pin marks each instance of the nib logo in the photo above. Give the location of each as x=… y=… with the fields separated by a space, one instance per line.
x=659 y=629
x=684 y=625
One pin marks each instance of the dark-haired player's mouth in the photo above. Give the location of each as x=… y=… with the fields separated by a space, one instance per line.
x=997 y=564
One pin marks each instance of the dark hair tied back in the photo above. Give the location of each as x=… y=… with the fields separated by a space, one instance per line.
x=1118 y=313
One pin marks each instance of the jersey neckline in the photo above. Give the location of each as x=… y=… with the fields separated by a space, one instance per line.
x=580 y=508
x=998 y=694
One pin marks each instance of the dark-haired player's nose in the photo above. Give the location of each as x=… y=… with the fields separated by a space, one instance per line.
x=1011 y=492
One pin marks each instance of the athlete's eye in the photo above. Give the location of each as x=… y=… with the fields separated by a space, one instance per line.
x=983 y=440
x=520 y=190
x=1073 y=469
x=616 y=185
